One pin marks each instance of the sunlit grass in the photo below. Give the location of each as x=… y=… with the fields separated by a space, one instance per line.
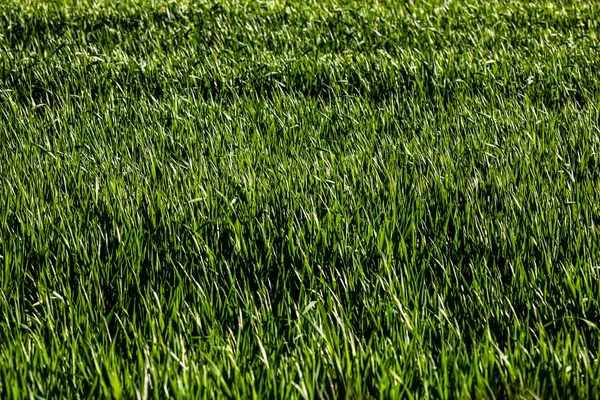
x=299 y=199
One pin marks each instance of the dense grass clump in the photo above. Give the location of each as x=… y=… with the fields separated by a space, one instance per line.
x=292 y=199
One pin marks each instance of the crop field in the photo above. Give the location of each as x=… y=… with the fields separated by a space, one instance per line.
x=288 y=199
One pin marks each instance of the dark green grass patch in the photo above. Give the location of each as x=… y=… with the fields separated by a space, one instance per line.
x=299 y=199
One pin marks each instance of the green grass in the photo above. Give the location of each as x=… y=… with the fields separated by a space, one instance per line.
x=292 y=199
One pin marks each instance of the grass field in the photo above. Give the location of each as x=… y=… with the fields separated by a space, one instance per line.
x=299 y=199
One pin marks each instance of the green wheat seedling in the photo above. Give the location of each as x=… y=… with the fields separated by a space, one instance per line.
x=291 y=199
